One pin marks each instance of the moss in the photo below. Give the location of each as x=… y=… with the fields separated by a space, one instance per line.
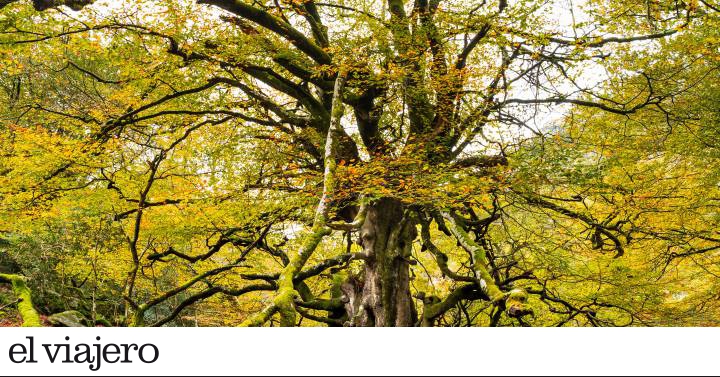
x=319 y=304
x=102 y=321
x=261 y=318
x=138 y=318
x=70 y=318
x=434 y=307
x=25 y=306
x=284 y=302
x=516 y=303
x=481 y=263
x=337 y=281
x=286 y=293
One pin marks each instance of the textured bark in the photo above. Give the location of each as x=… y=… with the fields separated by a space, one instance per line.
x=381 y=297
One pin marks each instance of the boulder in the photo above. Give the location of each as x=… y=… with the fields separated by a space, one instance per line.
x=72 y=318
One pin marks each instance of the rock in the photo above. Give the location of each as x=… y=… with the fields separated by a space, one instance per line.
x=72 y=318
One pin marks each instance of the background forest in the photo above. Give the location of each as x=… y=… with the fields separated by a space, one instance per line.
x=360 y=163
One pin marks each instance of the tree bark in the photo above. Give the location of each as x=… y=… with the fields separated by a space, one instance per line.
x=30 y=316
x=381 y=296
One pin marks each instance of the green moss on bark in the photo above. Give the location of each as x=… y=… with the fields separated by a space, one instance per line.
x=481 y=263
x=30 y=316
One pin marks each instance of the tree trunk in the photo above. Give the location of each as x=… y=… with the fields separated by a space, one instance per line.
x=30 y=316
x=381 y=296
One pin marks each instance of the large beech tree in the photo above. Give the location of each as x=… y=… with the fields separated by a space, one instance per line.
x=357 y=163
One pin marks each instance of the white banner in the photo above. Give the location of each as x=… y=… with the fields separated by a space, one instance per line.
x=324 y=351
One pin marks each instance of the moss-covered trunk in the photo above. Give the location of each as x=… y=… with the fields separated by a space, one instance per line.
x=25 y=306
x=381 y=297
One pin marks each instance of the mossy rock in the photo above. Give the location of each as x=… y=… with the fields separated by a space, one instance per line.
x=102 y=321
x=71 y=318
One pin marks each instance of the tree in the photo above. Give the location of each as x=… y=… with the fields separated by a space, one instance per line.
x=396 y=124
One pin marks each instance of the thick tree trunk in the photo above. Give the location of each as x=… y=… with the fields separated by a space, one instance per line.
x=381 y=297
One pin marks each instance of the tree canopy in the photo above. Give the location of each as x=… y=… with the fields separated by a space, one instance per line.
x=361 y=162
